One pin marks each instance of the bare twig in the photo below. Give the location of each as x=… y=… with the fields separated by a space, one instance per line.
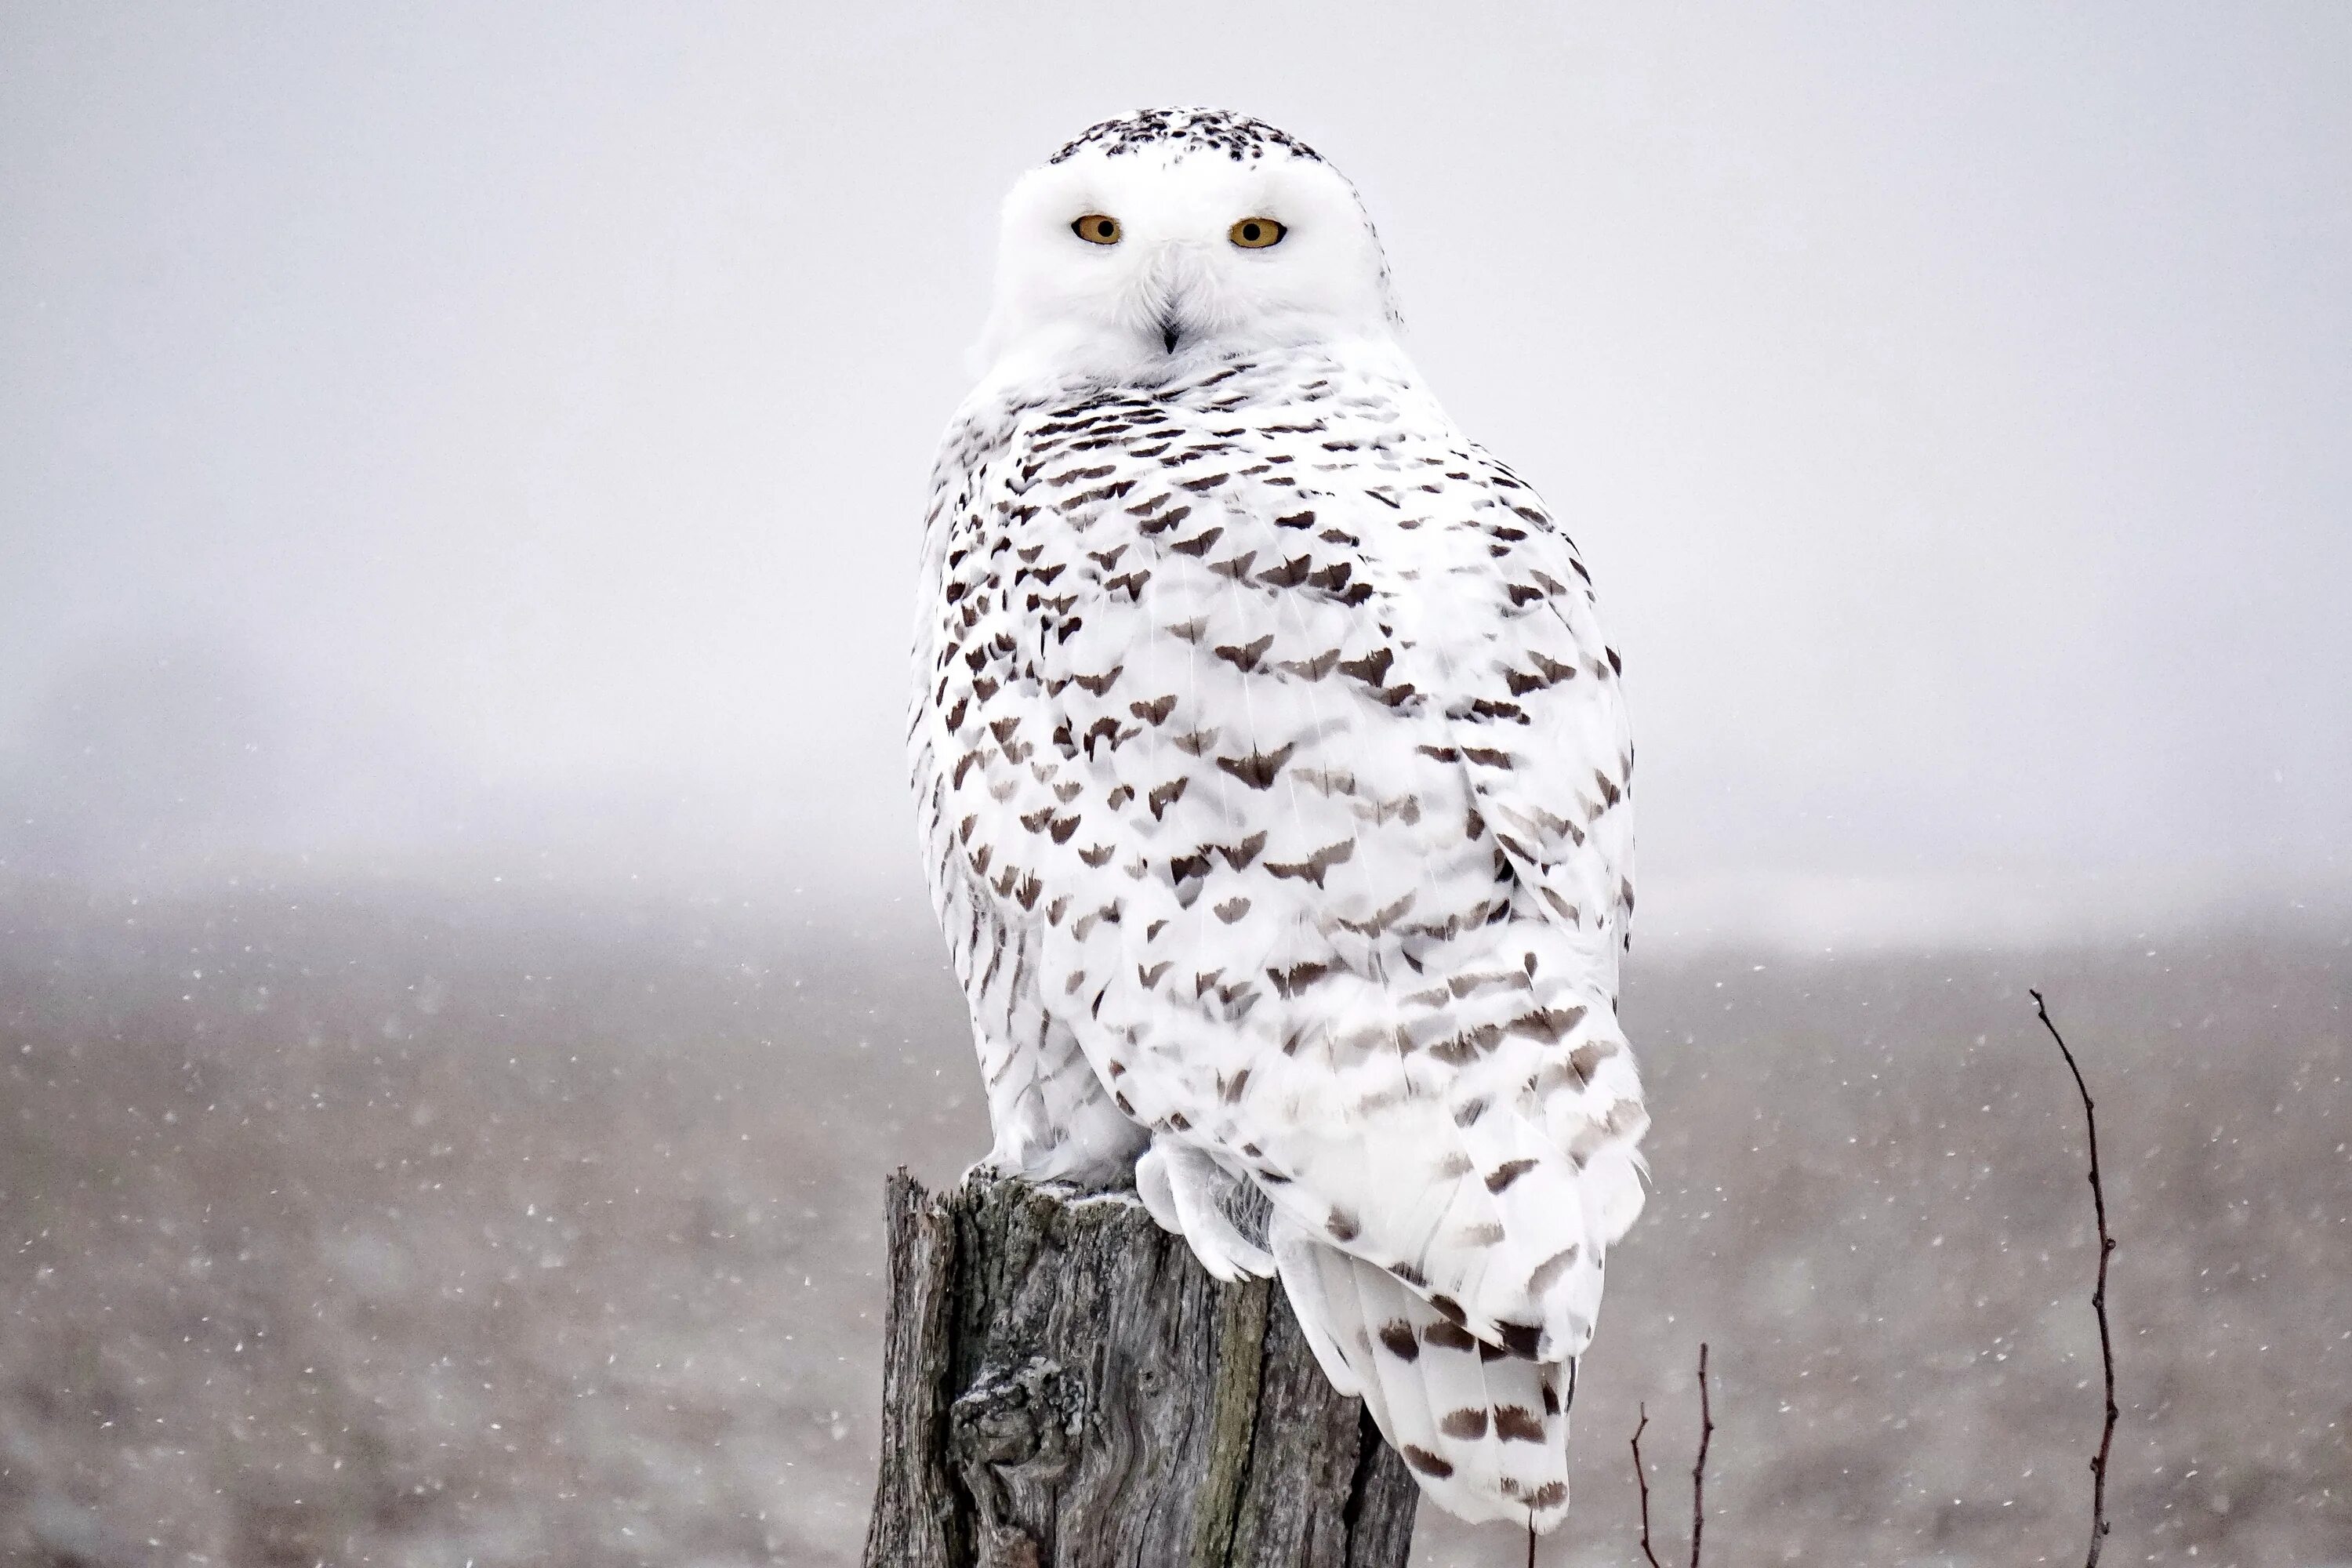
x=2098 y=1295
x=1642 y=1476
x=1698 y=1472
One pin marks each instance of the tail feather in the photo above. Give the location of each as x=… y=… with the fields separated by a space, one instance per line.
x=1483 y=1430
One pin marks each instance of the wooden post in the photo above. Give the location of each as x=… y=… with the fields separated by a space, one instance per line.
x=1063 y=1386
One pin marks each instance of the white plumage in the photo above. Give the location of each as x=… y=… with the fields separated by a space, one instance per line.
x=1274 y=782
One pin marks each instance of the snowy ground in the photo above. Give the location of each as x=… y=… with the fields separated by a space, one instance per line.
x=388 y=1229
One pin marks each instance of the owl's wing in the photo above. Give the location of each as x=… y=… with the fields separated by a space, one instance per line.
x=1541 y=715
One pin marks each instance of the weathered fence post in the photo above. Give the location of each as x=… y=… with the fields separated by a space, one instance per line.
x=1063 y=1387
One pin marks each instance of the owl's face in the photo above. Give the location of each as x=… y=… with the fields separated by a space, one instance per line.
x=1169 y=234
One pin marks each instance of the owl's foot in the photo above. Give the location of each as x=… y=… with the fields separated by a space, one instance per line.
x=1184 y=1190
x=1087 y=1145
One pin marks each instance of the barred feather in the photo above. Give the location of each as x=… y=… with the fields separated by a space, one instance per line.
x=1276 y=788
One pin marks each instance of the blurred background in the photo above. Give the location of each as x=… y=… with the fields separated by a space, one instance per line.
x=463 y=963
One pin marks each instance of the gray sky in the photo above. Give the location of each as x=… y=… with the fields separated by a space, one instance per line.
x=503 y=430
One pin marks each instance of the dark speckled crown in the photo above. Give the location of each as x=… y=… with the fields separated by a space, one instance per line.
x=1237 y=136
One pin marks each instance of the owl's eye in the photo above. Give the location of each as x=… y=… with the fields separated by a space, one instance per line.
x=1097 y=229
x=1256 y=233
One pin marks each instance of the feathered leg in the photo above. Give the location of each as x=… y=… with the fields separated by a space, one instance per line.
x=1186 y=1192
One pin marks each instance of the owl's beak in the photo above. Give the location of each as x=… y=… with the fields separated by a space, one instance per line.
x=1174 y=287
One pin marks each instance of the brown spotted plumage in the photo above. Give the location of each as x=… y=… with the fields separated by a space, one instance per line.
x=1275 y=785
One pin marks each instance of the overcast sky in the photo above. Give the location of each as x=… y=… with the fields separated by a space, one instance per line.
x=502 y=430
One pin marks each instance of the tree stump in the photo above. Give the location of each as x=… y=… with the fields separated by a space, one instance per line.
x=1063 y=1387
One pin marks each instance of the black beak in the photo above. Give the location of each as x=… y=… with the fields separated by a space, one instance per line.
x=1168 y=334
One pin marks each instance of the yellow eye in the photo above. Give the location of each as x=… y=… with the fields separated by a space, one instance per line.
x=1256 y=233
x=1097 y=229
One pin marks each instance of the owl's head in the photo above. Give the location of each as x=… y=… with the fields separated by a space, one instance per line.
x=1172 y=232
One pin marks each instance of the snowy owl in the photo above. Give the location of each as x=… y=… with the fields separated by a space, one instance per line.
x=1274 y=780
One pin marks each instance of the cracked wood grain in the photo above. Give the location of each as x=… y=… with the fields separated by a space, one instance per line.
x=1063 y=1387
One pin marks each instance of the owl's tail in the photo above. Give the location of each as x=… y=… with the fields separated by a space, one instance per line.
x=1485 y=1431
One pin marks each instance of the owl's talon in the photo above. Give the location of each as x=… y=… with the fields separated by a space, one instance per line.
x=1184 y=1190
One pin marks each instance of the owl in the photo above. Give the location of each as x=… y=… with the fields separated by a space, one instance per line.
x=1273 y=779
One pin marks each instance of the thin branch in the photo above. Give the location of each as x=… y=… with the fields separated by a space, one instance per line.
x=1643 y=1477
x=2098 y=1295
x=1698 y=1472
